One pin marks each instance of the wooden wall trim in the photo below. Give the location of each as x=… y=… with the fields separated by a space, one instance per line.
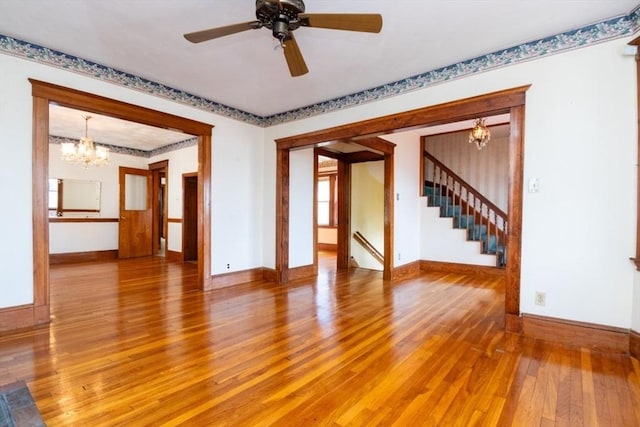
x=269 y=274
x=282 y=216
x=303 y=272
x=327 y=246
x=42 y=94
x=73 y=257
x=174 y=256
x=225 y=280
x=469 y=108
x=636 y=260
x=122 y=110
x=513 y=247
x=389 y=221
x=457 y=268
x=175 y=220
x=58 y=220
x=18 y=317
x=634 y=344
x=513 y=323
x=406 y=271
x=40 y=214
x=510 y=101
x=578 y=334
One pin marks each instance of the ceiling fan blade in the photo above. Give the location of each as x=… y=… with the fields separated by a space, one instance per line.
x=295 y=61
x=214 y=33
x=365 y=22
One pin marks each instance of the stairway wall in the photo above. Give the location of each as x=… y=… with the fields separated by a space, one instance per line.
x=441 y=242
x=486 y=170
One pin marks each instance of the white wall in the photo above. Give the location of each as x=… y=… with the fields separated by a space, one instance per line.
x=407 y=201
x=237 y=178
x=84 y=237
x=580 y=141
x=301 y=225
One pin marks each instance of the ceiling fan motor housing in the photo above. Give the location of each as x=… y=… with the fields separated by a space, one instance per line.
x=279 y=16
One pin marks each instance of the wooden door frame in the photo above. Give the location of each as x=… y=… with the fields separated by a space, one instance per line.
x=157 y=168
x=344 y=162
x=43 y=94
x=184 y=178
x=284 y=146
x=511 y=101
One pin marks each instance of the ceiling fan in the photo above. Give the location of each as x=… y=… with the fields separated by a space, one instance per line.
x=282 y=17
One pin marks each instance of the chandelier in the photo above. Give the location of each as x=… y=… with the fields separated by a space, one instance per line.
x=479 y=134
x=84 y=151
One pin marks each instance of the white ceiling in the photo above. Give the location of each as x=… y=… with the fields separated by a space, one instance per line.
x=244 y=71
x=69 y=123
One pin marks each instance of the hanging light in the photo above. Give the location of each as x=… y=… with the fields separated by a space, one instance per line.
x=479 y=134
x=84 y=151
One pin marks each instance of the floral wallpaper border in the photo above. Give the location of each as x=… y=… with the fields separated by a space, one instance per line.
x=53 y=139
x=603 y=31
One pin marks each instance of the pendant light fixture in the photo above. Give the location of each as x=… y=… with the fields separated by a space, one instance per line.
x=85 y=152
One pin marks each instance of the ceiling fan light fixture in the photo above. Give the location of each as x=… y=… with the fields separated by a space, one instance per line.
x=283 y=17
x=281 y=28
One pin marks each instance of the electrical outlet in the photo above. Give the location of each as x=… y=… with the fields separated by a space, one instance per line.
x=228 y=266
x=541 y=299
x=399 y=256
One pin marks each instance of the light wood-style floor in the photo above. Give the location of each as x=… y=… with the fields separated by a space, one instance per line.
x=132 y=343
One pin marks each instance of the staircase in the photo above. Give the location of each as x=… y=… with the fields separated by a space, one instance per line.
x=468 y=208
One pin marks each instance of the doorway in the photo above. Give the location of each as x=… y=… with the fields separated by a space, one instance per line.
x=509 y=101
x=45 y=93
x=160 y=171
x=190 y=217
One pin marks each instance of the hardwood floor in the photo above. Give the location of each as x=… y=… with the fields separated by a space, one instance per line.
x=133 y=343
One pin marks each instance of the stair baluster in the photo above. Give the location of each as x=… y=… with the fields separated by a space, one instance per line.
x=483 y=220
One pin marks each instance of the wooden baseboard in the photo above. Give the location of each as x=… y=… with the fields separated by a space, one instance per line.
x=236 y=278
x=73 y=257
x=23 y=316
x=513 y=323
x=406 y=271
x=327 y=247
x=452 y=267
x=173 y=256
x=634 y=344
x=269 y=274
x=303 y=272
x=579 y=334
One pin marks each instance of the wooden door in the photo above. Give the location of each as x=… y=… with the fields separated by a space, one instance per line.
x=136 y=214
x=190 y=217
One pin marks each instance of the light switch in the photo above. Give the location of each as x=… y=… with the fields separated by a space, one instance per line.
x=534 y=185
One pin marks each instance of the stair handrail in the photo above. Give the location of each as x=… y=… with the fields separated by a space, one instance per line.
x=467 y=186
x=475 y=203
x=358 y=237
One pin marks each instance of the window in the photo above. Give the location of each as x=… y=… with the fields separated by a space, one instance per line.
x=327 y=197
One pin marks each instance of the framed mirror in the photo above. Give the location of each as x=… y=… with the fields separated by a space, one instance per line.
x=73 y=196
